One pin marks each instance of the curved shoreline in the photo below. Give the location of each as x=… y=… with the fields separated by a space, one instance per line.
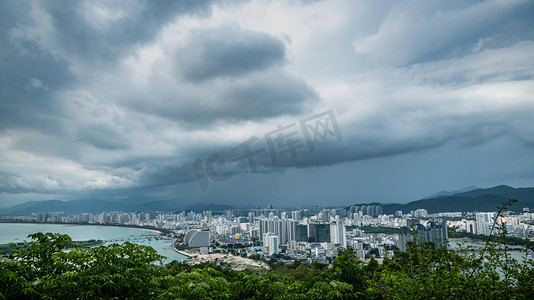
x=132 y=227
x=87 y=224
x=164 y=246
x=189 y=256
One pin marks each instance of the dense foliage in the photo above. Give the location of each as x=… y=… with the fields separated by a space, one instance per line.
x=44 y=269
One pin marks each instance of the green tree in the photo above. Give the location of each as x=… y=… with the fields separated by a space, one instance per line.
x=45 y=269
x=347 y=268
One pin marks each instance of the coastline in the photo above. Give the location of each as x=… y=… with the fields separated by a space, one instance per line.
x=189 y=256
x=87 y=224
x=132 y=227
x=114 y=234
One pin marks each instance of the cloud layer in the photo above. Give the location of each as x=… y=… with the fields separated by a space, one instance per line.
x=118 y=100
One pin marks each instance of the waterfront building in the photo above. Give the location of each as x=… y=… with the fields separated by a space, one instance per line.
x=196 y=238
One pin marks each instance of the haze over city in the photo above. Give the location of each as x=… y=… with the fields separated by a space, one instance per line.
x=338 y=102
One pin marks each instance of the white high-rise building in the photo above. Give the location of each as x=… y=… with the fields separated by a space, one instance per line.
x=485 y=222
x=471 y=227
x=271 y=244
x=420 y=213
x=291 y=230
x=338 y=234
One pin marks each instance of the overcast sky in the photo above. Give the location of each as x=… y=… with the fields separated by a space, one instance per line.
x=264 y=102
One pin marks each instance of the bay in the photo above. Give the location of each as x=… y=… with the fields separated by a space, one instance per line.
x=18 y=232
x=455 y=243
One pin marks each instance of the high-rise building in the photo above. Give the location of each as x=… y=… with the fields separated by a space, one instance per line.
x=271 y=244
x=197 y=238
x=323 y=216
x=208 y=214
x=285 y=229
x=319 y=232
x=295 y=215
x=433 y=232
x=405 y=236
x=485 y=222
x=371 y=210
x=338 y=235
x=471 y=227
x=291 y=228
x=420 y=213
x=301 y=233
x=378 y=210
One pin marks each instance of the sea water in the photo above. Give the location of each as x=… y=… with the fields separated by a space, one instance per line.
x=18 y=232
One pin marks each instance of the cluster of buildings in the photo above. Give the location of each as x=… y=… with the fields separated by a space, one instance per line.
x=485 y=223
x=431 y=232
x=309 y=232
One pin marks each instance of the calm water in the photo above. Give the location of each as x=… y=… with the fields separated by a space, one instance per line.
x=455 y=243
x=17 y=232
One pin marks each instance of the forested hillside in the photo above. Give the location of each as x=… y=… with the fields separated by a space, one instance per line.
x=44 y=270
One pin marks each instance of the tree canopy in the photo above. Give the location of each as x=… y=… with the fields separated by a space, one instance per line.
x=52 y=267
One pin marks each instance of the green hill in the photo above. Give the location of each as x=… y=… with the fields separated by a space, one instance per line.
x=475 y=200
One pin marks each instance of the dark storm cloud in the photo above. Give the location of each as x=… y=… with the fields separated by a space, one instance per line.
x=251 y=84
x=13 y=183
x=121 y=99
x=81 y=31
x=228 y=52
x=30 y=108
x=103 y=137
x=166 y=172
x=28 y=77
x=256 y=97
x=259 y=97
x=269 y=97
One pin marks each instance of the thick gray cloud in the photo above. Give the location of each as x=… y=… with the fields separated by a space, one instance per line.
x=102 y=137
x=103 y=30
x=120 y=100
x=27 y=78
x=228 y=52
x=442 y=30
x=258 y=96
x=222 y=73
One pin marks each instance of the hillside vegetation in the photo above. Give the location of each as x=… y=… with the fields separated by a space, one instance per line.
x=44 y=270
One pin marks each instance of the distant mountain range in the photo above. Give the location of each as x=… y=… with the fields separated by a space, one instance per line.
x=445 y=193
x=468 y=199
x=95 y=206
